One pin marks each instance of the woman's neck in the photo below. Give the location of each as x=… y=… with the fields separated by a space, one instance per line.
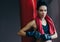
x=43 y=19
x=44 y=22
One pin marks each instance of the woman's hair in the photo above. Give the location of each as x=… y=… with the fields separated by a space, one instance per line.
x=41 y=4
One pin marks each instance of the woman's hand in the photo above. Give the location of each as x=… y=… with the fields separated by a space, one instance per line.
x=46 y=37
x=37 y=35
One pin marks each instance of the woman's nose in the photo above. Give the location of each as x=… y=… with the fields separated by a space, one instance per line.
x=43 y=12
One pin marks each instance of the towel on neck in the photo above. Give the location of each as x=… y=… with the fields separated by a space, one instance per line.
x=50 y=23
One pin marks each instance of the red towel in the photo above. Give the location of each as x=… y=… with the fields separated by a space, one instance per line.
x=50 y=23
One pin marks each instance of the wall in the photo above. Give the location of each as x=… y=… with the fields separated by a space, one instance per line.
x=9 y=20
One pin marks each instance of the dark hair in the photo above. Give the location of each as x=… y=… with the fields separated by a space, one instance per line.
x=40 y=4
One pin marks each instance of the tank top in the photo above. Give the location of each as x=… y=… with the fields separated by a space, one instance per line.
x=46 y=28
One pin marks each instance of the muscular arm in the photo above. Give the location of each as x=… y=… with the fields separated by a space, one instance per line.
x=54 y=36
x=25 y=28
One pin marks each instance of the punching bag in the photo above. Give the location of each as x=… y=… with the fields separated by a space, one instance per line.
x=27 y=14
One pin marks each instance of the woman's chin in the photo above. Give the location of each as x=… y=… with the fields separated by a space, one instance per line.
x=43 y=17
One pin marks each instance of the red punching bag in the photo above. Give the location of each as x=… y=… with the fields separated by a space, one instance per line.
x=27 y=14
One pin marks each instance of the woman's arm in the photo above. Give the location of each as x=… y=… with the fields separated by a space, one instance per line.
x=54 y=36
x=25 y=28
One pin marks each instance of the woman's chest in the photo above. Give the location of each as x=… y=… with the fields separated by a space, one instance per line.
x=44 y=23
x=44 y=27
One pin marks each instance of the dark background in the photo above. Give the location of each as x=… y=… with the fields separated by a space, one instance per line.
x=10 y=19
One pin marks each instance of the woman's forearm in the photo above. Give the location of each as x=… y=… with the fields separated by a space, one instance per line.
x=54 y=36
x=21 y=33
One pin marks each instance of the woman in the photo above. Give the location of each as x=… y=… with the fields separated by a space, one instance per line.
x=43 y=26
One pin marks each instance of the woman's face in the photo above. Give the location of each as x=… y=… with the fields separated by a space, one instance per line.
x=42 y=11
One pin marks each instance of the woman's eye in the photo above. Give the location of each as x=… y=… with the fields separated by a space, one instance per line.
x=41 y=10
x=45 y=10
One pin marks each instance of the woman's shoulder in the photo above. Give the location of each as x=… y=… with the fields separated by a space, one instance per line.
x=32 y=21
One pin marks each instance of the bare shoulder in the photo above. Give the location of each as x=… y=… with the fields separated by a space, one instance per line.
x=29 y=24
x=32 y=22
